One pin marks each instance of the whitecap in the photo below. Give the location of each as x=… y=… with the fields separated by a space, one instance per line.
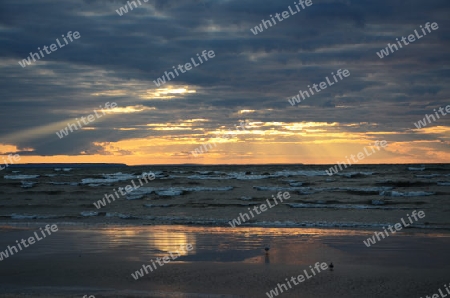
x=108 y=179
x=286 y=173
x=428 y=176
x=394 y=193
x=169 y=192
x=28 y=184
x=23 y=216
x=88 y=213
x=199 y=188
x=416 y=169
x=341 y=206
x=20 y=176
x=278 y=188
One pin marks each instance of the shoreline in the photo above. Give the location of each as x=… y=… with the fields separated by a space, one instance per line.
x=224 y=223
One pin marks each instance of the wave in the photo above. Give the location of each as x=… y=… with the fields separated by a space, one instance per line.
x=28 y=184
x=139 y=193
x=416 y=168
x=21 y=177
x=428 y=176
x=64 y=183
x=345 y=206
x=406 y=194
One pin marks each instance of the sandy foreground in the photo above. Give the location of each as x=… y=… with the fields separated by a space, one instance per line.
x=224 y=262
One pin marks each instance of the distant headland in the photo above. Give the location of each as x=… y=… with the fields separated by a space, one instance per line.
x=67 y=165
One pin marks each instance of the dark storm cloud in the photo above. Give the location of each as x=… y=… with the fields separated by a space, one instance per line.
x=257 y=72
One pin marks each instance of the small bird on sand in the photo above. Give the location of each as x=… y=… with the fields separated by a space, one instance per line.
x=331 y=266
x=267 y=249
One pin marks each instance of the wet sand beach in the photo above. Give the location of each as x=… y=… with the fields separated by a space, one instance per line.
x=224 y=262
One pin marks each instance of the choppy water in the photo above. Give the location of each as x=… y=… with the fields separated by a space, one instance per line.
x=359 y=196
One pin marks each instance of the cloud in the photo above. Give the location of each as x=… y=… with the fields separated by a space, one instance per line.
x=250 y=78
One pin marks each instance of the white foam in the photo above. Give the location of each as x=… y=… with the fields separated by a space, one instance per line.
x=139 y=193
x=366 y=189
x=416 y=169
x=428 y=176
x=313 y=190
x=378 y=202
x=33 y=216
x=341 y=206
x=28 y=184
x=169 y=192
x=394 y=193
x=22 y=216
x=286 y=173
x=88 y=213
x=278 y=188
x=204 y=172
x=20 y=176
x=108 y=179
x=120 y=215
x=119 y=176
x=251 y=177
x=200 y=188
x=245 y=176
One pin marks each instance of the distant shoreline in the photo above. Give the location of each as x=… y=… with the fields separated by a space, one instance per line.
x=110 y=165
x=66 y=165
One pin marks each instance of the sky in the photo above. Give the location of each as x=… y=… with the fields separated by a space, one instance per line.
x=249 y=79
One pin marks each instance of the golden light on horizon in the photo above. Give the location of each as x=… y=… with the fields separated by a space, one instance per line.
x=261 y=142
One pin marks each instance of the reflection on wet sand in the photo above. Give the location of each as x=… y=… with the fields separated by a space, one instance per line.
x=220 y=244
x=154 y=242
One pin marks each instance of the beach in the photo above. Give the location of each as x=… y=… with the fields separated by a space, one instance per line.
x=96 y=251
x=224 y=263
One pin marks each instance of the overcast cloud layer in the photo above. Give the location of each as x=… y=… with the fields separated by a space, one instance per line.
x=250 y=79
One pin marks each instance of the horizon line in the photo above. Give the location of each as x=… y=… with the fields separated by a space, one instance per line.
x=221 y=164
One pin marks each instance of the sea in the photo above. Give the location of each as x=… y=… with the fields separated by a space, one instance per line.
x=360 y=196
